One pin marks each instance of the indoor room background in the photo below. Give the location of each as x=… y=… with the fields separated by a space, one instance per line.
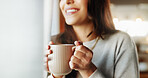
x=26 y=27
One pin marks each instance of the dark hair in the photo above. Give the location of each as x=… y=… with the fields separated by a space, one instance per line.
x=99 y=11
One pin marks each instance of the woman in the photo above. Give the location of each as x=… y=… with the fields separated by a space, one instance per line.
x=101 y=51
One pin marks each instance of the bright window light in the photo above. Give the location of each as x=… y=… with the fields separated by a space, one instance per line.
x=115 y=20
x=133 y=28
x=138 y=20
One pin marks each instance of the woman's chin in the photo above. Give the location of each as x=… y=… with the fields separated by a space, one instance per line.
x=72 y=23
x=69 y=23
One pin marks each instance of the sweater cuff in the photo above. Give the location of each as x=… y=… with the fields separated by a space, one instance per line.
x=96 y=74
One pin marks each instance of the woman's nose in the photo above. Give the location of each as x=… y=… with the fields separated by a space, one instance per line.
x=69 y=2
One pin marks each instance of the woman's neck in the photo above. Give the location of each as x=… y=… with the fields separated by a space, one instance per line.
x=82 y=31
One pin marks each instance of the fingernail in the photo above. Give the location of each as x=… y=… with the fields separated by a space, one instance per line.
x=50 y=52
x=48 y=47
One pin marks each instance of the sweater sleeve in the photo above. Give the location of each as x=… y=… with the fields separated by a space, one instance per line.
x=96 y=74
x=125 y=60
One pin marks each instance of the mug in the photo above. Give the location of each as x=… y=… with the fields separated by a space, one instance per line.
x=59 y=64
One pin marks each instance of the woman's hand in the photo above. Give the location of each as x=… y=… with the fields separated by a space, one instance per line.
x=81 y=60
x=47 y=59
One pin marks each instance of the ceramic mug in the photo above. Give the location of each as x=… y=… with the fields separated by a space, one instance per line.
x=59 y=64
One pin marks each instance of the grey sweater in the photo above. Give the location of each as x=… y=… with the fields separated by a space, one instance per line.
x=115 y=56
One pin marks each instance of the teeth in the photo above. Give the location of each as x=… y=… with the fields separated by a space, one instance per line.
x=72 y=10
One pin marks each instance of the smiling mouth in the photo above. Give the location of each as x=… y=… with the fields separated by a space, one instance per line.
x=71 y=11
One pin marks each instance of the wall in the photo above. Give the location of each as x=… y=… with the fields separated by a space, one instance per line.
x=21 y=38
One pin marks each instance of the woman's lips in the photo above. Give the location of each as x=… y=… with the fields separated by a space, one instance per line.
x=71 y=11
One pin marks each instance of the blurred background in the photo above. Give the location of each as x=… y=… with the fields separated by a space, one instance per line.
x=131 y=16
x=26 y=27
x=21 y=38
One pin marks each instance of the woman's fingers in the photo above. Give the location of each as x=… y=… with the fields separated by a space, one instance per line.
x=46 y=67
x=81 y=47
x=73 y=48
x=77 y=43
x=46 y=61
x=47 y=57
x=75 y=60
x=49 y=52
x=79 y=54
x=48 y=47
x=81 y=60
x=47 y=64
x=50 y=43
x=73 y=65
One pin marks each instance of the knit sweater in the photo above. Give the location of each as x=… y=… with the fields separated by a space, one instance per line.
x=115 y=56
